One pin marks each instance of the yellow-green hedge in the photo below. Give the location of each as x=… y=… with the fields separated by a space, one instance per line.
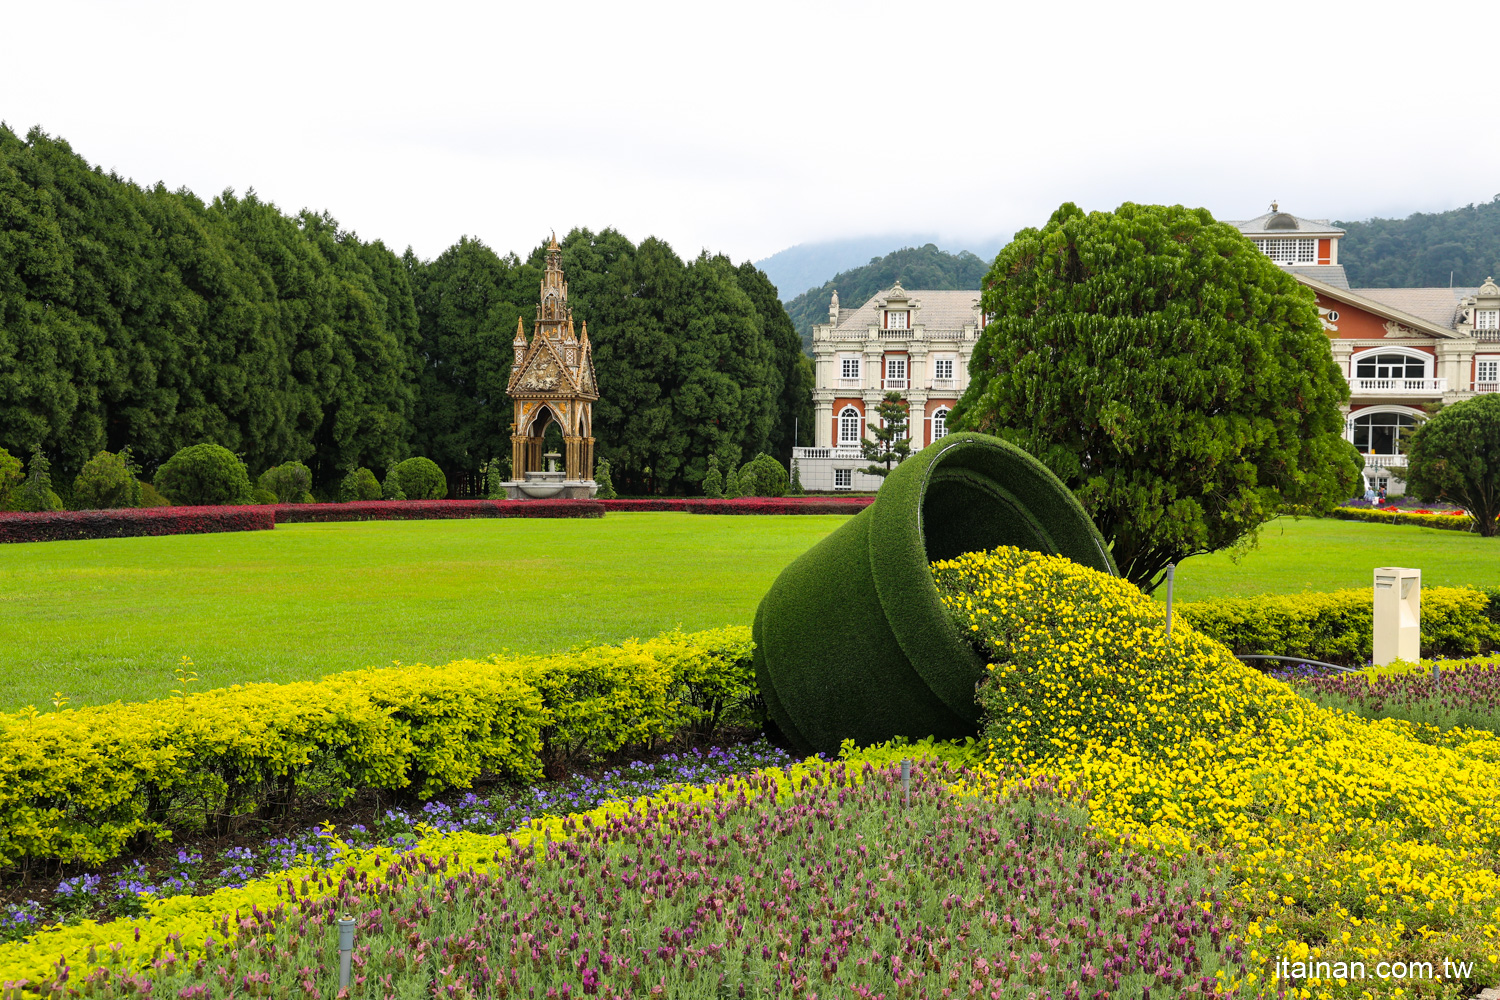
x=80 y=785
x=1338 y=626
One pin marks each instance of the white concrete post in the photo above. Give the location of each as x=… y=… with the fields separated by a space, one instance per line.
x=1398 y=614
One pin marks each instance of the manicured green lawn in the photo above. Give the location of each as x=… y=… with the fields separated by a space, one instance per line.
x=1298 y=554
x=108 y=619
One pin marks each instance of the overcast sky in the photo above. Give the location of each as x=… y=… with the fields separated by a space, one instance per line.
x=747 y=128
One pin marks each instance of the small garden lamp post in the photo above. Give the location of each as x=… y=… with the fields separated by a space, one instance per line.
x=1398 y=614
x=346 y=949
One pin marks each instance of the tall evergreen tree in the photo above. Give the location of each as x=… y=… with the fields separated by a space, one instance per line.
x=793 y=372
x=467 y=319
x=891 y=443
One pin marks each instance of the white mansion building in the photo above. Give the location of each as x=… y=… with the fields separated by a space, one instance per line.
x=917 y=343
x=1400 y=348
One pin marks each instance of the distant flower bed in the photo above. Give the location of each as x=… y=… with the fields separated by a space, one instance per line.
x=745 y=505
x=431 y=510
x=1451 y=520
x=132 y=521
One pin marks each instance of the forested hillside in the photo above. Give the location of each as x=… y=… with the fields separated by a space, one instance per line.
x=1461 y=246
x=151 y=318
x=915 y=267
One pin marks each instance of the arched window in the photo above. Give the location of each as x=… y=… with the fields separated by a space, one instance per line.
x=848 y=425
x=940 y=424
x=1391 y=366
x=1380 y=433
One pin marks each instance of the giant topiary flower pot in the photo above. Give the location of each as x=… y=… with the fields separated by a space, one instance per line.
x=852 y=640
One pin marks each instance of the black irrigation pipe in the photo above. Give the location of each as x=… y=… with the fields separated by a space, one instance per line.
x=1297 y=659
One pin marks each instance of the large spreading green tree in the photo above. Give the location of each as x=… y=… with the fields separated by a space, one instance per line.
x=1455 y=456
x=1172 y=376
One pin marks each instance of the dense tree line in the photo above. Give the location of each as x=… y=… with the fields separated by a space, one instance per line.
x=693 y=358
x=137 y=316
x=1461 y=247
x=915 y=267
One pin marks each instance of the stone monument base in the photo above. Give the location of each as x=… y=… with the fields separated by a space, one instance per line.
x=550 y=489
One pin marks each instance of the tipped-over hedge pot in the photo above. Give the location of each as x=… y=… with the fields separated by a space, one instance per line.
x=852 y=640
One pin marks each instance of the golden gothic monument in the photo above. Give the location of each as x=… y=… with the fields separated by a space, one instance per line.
x=552 y=381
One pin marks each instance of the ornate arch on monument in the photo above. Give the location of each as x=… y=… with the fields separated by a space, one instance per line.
x=553 y=374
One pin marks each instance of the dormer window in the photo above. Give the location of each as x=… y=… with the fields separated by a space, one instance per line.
x=1289 y=251
x=896 y=320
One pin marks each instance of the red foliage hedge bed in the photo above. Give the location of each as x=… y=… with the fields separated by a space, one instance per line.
x=429 y=510
x=66 y=524
x=123 y=523
x=746 y=505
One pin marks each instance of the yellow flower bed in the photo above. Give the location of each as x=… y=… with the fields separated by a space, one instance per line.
x=1348 y=840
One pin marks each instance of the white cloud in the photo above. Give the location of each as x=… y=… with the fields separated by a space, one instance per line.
x=748 y=128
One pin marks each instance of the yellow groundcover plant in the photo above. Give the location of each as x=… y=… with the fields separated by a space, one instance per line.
x=1348 y=840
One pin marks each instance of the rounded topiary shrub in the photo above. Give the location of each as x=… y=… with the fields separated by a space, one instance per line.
x=763 y=476
x=264 y=497
x=359 y=484
x=204 y=474
x=289 y=481
x=107 y=481
x=12 y=474
x=421 y=479
x=151 y=497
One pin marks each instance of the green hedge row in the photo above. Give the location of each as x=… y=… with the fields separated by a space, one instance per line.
x=83 y=785
x=1338 y=626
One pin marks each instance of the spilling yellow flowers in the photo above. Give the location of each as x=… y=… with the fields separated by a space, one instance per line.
x=1348 y=839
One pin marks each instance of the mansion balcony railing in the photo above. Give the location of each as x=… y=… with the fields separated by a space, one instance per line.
x=842 y=452
x=1384 y=461
x=1487 y=386
x=1487 y=336
x=896 y=383
x=911 y=333
x=1396 y=386
x=851 y=383
x=943 y=385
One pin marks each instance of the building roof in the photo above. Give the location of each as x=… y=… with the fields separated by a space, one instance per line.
x=940 y=309
x=1275 y=223
x=1328 y=274
x=1438 y=306
x=1360 y=299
